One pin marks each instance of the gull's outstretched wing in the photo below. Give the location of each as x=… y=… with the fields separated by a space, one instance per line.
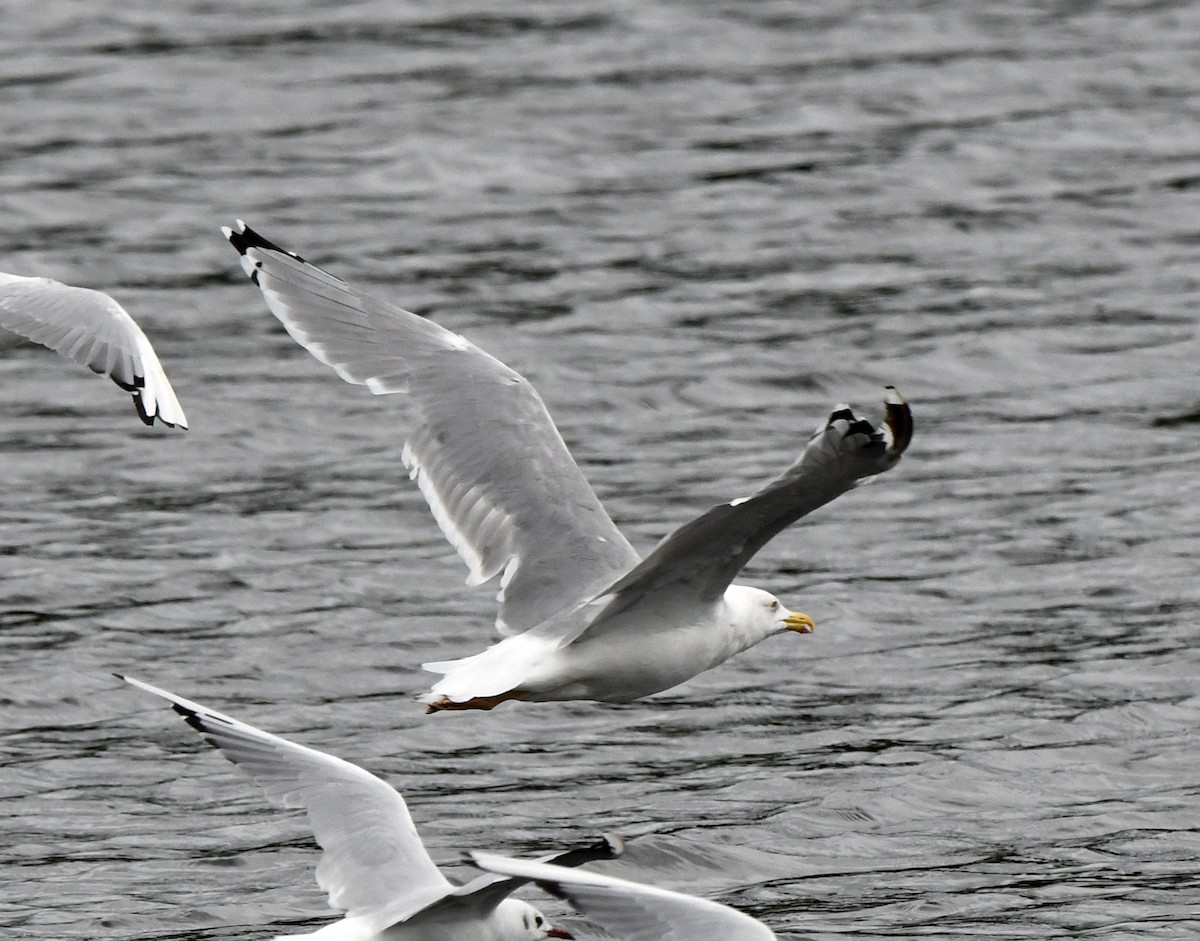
x=484 y=892
x=500 y=481
x=375 y=866
x=92 y=329
x=704 y=556
x=632 y=911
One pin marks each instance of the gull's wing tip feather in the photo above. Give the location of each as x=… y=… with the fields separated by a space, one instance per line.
x=615 y=843
x=189 y=710
x=608 y=845
x=148 y=417
x=485 y=453
x=140 y=406
x=91 y=328
x=897 y=430
x=898 y=421
x=374 y=865
x=244 y=238
x=140 y=684
x=178 y=702
x=707 y=553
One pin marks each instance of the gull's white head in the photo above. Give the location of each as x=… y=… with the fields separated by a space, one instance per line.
x=763 y=611
x=520 y=921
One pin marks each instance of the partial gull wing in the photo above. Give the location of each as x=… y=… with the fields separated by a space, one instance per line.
x=485 y=891
x=632 y=911
x=703 y=557
x=500 y=481
x=92 y=329
x=375 y=866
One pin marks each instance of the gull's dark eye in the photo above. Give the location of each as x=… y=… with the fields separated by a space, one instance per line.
x=774 y=605
x=539 y=921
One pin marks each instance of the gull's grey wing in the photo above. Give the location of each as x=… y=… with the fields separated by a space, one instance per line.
x=92 y=329
x=374 y=865
x=485 y=892
x=632 y=911
x=500 y=481
x=705 y=555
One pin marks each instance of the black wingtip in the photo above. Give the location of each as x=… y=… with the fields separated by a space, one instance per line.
x=609 y=846
x=244 y=238
x=899 y=421
x=860 y=426
x=150 y=418
x=146 y=417
x=190 y=716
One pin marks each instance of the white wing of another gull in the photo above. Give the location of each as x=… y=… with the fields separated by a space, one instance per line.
x=631 y=911
x=583 y=616
x=374 y=866
x=92 y=329
x=487 y=456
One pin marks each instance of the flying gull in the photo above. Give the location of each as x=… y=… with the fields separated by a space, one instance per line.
x=629 y=910
x=92 y=329
x=374 y=866
x=581 y=614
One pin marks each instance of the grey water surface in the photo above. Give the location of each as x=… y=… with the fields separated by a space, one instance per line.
x=695 y=227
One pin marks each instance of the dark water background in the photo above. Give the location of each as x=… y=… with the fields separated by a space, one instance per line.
x=696 y=227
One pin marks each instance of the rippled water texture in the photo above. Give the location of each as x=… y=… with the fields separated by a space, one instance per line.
x=696 y=227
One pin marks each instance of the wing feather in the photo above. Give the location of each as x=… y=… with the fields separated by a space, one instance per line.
x=630 y=910
x=92 y=329
x=486 y=455
x=486 y=891
x=374 y=865
x=704 y=556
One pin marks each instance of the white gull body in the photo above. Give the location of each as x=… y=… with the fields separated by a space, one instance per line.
x=374 y=866
x=582 y=614
x=92 y=329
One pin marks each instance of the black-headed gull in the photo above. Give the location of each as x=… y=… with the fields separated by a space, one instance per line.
x=374 y=866
x=92 y=329
x=583 y=616
x=631 y=911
